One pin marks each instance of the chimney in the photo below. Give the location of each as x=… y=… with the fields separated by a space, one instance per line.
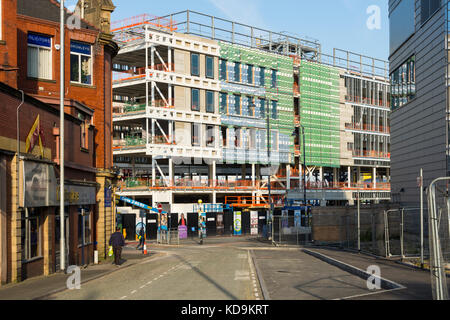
x=97 y=13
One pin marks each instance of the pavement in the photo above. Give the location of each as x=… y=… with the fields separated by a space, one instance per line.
x=41 y=287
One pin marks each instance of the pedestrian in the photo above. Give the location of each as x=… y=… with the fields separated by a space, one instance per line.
x=117 y=242
x=141 y=239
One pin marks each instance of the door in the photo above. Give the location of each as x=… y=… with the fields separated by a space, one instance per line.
x=192 y=222
x=228 y=221
x=245 y=222
x=211 y=224
x=129 y=224
x=152 y=226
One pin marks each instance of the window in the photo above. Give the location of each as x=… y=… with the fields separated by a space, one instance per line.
x=39 y=56
x=195 y=134
x=195 y=64
x=195 y=100
x=237 y=140
x=253 y=139
x=403 y=84
x=274 y=78
x=262 y=77
x=84 y=225
x=80 y=62
x=31 y=234
x=210 y=136
x=401 y=24
x=210 y=107
x=223 y=70
x=223 y=102
x=274 y=109
x=262 y=106
x=250 y=74
x=250 y=107
x=209 y=67
x=237 y=72
x=84 y=130
x=237 y=104
x=274 y=141
x=428 y=8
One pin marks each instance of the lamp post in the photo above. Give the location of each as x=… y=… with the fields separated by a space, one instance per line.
x=268 y=170
x=200 y=223
x=61 y=139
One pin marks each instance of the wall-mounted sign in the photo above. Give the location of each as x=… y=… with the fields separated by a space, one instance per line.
x=39 y=185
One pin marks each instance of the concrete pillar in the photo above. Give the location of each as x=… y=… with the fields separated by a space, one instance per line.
x=358 y=173
x=321 y=176
x=349 y=177
x=153 y=172
x=171 y=175
x=335 y=176
x=374 y=178
x=253 y=175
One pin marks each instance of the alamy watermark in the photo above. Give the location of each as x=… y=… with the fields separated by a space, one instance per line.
x=374 y=20
x=374 y=281
x=74 y=280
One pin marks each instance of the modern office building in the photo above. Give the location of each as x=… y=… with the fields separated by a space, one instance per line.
x=418 y=73
x=210 y=109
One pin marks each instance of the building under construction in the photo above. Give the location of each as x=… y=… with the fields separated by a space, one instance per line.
x=211 y=109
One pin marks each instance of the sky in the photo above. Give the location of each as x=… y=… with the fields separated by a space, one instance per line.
x=338 y=24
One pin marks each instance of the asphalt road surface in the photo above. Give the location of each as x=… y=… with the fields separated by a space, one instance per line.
x=222 y=271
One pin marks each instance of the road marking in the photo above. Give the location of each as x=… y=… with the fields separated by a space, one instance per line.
x=142 y=287
x=149 y=282
x=133 y=292
x=124 y=297
x=241 y=275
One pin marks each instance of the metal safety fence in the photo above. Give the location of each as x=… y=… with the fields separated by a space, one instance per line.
x=439 y=240
x=289 y=230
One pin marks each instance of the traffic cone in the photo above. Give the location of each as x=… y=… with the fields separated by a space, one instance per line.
x=145 y=249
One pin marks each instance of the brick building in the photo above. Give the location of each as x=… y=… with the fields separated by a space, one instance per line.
x=29 y=62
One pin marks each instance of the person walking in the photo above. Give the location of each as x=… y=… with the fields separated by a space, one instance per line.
x=141 y=239
x=117 y=242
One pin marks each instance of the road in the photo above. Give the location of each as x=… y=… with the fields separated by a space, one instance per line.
x=230 y=270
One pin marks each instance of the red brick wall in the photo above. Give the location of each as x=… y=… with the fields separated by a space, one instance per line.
x=93 y=96
x=8 y=43
x=27 y=115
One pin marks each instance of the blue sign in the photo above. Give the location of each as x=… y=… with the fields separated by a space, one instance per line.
x=38 y=40
x=108 y=194
x=140 y=205
x=79 y=47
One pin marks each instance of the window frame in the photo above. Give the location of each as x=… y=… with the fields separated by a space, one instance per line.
x=250 y=74
x=192 y=99
x=262 y=76
x=223 y=74
x=80 y=55
x=196 y=142
x=87 y=220
x=274 y=110
x=213 y=104
x=26 y=244
x=192 y=64
x=213 y=135
x=211 y=58
x=39 y=48
x=237 y=98
x=237 y=75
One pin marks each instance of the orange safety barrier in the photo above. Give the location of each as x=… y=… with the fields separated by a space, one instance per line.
x=253 y=201
x=143 y=19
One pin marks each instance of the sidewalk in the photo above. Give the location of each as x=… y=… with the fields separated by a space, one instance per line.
x=40 y=287
x=416 y=281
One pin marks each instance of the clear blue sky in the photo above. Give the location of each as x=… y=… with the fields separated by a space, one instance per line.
x=335 y=23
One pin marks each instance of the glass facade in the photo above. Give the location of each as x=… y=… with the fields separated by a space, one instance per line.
x=403 y=84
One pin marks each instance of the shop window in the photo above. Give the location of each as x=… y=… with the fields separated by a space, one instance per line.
x=80 y=63
x=210 y=107
x=39 y=56
x=195 y=100
x=31 y=234
x=209 y=67
x=84 y=225
x=195 y=64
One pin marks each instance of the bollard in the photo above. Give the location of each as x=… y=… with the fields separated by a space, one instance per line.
x=95 y=257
